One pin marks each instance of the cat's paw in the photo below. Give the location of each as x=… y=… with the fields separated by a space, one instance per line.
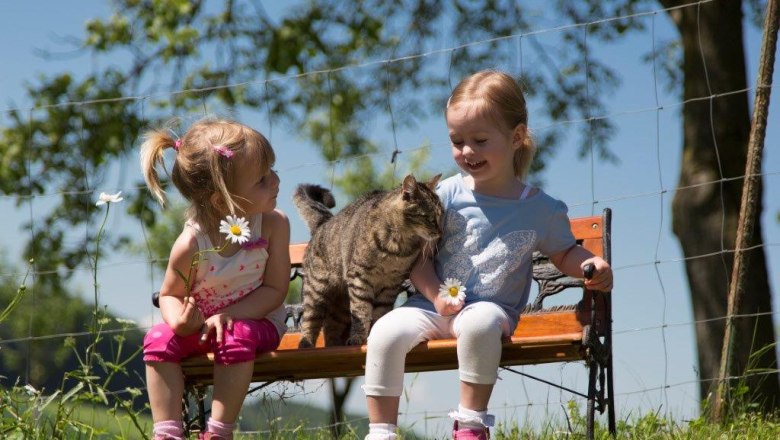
x=305 y=343
x=356 y=340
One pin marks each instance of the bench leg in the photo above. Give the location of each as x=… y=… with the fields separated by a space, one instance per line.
x=610 y=399
x=591 y=410
x=610 y=383
x=198 y=395
x=600 y=390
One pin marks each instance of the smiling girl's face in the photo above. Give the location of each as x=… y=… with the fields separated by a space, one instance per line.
x=483 y=148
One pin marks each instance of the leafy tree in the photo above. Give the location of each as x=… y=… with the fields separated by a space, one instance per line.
x=284 y=68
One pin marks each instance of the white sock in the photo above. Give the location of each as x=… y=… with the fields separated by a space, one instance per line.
x=381 y=431
x=469 y=418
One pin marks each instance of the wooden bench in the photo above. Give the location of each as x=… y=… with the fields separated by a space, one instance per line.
x=579 y=332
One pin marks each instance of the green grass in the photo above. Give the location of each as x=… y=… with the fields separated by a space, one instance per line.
x=655 y=427
x=296 y=422
x=85 y=422
x=290 y=421
x=110 y=424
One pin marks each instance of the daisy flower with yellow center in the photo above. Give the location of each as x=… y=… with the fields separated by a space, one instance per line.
x=236 y=229
x=453 y=291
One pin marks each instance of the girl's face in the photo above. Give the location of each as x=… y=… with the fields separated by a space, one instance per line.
x=256 y=191
x=483 y=149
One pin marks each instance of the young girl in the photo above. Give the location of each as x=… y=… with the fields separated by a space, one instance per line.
x=493 y=224
x=234 y=306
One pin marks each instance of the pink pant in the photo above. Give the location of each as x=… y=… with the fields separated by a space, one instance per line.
x=247 y=338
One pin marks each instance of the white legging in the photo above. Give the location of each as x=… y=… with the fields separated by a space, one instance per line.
x=478 y=329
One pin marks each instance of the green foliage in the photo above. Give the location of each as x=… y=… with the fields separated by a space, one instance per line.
x=15 y=298
x=97 y=375
x=39 y=360
x=27 y=351
x=80 y=126
x=652 y=425
x=70 y=410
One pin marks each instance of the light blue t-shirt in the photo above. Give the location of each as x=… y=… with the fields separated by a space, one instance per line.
x=488 y=243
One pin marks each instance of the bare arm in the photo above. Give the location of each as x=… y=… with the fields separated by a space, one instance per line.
x=425 y=280
x=573 y=260
x=183 y=318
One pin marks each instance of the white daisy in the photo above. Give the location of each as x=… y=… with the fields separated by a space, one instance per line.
x=453 y=291
x=236 y=229
x=109 y=198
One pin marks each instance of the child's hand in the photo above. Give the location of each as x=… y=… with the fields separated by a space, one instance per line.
x=445 y=308
x=189 y=320
x=216 y=323
x=602 y=274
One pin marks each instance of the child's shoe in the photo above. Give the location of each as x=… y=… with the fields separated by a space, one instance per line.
x=470 y=433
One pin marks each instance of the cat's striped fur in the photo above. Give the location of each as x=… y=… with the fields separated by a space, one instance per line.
x=357 y=260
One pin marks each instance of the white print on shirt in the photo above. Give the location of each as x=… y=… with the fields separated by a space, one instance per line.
x=493 y=263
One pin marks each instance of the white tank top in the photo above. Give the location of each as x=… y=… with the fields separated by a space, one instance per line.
x=223 y=281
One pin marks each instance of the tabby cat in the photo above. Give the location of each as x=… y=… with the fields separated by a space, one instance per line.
x=356 y=261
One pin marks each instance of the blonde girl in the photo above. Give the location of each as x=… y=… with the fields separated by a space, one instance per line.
x=231 y=302
x=493 y=223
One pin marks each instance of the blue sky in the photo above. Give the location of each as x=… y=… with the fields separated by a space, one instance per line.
x=654 y=348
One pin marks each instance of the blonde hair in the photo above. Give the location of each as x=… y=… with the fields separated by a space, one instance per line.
x=208 y=156
x=497 y=95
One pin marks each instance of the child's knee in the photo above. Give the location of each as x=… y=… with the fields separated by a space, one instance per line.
x=387 y=337
x=482 y=321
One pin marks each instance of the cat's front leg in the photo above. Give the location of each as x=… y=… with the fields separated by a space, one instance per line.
x=361 y=310
x=314 y=310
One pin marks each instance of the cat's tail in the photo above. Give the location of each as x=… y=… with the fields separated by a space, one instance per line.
x=313 y=203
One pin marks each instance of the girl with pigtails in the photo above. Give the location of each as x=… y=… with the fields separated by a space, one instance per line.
x=228 y=272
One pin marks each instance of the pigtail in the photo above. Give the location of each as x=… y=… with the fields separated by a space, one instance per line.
x=524 y=156
x=154 y=144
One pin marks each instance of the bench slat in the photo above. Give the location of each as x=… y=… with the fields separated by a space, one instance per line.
x=540 y=338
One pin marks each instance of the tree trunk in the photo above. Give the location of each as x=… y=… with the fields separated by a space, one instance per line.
x=705 y=209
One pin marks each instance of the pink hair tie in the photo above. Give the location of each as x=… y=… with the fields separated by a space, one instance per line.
x=224 y=151
x=177 y=144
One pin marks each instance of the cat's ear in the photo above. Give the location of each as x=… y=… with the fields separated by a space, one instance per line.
x=409 y=186
x=433 y=182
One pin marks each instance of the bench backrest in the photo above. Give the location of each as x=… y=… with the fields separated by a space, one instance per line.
x=592 y=233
